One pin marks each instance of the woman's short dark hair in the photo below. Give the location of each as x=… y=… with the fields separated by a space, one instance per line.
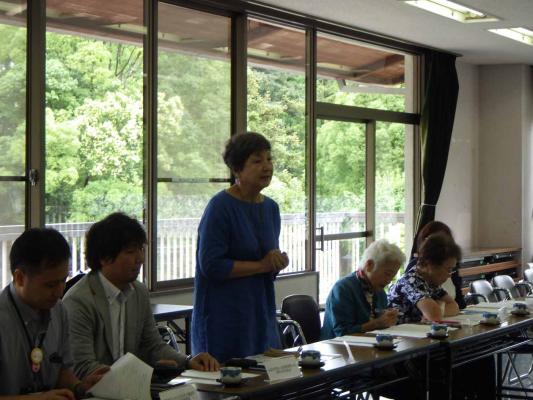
x=438 y=248
x=241 y=146
x=38 y=249
x=429 y=229
x=108 y=237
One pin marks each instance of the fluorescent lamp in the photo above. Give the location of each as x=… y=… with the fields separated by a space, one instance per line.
x=522 y=35
x=450 y=9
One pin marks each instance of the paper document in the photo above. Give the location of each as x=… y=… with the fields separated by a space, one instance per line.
x=193 y=374
x=128 y=378
x=359 y=340
x=408 y=330
x=492 y=306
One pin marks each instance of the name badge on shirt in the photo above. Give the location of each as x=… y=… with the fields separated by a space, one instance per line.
x=185 y=392
x=282 y=368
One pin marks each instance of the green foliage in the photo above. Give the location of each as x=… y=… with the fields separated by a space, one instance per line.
x=94 y=131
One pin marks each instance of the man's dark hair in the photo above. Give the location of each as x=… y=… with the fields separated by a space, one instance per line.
x=38 y=249
x=108 y=237
x=429 y=229
x=241 y=146
x=438 y=248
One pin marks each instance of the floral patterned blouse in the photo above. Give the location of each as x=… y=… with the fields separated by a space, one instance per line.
x=409 y=290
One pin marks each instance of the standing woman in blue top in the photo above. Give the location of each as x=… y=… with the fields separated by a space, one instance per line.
x=238 y=258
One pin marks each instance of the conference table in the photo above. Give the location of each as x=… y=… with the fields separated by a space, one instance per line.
x=368 y=371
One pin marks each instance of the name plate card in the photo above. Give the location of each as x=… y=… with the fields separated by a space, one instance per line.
x=185 y=392
x=282 y=368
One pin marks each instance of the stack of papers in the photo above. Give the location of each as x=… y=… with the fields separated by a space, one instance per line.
x=362 y=341
x=408 y=330
x=208 y=378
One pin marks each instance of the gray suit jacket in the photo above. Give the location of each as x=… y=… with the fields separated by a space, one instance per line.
x=90 y=327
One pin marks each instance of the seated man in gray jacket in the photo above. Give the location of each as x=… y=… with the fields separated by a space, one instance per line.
x=109 y=310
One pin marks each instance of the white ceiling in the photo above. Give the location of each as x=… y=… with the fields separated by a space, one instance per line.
x=398 y=20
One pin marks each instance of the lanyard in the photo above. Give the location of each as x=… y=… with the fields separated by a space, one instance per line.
x=36 y=353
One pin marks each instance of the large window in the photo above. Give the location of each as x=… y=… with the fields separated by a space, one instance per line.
x=12 y=128
x=276 y=108
x=138 y=106
x=94 y=116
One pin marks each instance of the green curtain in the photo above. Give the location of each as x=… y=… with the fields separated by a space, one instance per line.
x=436 y=124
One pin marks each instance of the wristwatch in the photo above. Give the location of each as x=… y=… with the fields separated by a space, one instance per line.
x=188 y=361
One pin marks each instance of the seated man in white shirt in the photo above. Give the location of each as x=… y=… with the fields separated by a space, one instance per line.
x=109 y=310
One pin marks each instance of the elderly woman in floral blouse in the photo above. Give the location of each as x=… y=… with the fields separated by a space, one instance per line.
x=418 y=294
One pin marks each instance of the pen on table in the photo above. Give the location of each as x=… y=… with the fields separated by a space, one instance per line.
x=350 y=354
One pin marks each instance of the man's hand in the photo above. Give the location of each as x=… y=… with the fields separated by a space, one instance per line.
x=204 y=362
x=90 y=380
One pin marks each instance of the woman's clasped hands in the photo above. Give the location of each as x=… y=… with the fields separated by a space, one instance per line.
x=275 y=261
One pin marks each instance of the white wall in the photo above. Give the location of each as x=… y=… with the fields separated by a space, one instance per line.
x=487 y=194
x=459 y=196
x=527 y=156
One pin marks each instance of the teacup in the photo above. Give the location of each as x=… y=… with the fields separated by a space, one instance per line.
x=231 y=375
x=439 y=330
x=520 y=308
x=491 y=318
x=310 y=357
x=384 y=340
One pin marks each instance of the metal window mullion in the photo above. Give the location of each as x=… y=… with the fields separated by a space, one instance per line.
x=310 y=144
x=150 y=140
x=239 y=90
x=370 y=179
x=35 y=112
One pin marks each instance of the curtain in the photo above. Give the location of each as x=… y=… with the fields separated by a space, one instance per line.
x=436 y=124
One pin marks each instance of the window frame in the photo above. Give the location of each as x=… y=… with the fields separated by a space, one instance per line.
x=239 y=12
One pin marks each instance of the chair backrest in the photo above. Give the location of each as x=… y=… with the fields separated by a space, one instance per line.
x=304 y=310
x=528 y=275
x=483 y=287
x=72 y=281
x=506 y=282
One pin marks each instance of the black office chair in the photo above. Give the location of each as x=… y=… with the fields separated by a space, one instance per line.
x=516 y=290
x=304 y=310
x=72 y=281
x=485 y=289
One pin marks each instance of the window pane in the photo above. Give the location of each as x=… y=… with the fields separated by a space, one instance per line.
x=12 y=223
x=12 y=127
x=276 y=109
x=340 y=198
x=355 y=74
x=194 y=101
x=12 y=88
x=393 y=186
x=338 y=259
x=94 y=119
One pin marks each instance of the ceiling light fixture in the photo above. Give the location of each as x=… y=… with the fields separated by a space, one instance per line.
x=450 y=9
x=522 y=35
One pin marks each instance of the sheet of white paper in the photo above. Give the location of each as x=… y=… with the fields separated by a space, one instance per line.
x=193 y=374
x=408 y=330
x=128 y=378
x=280 y=368
x=359 y=340
x=492 y=306
x=185 y=392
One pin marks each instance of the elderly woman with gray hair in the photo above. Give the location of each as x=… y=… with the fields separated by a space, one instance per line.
x=357 y=302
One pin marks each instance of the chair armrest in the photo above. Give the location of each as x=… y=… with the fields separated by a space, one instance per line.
x=506 y=292
x=478 y=296
x=525 y=285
